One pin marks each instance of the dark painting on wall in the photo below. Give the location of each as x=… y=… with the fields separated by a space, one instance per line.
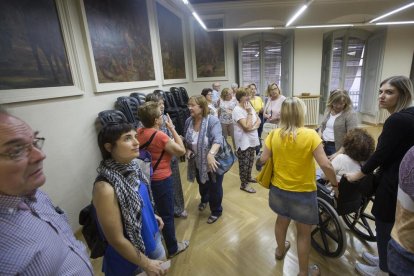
x=32 y=50
x=209 y=50
x=171 y=41
x=120 y=40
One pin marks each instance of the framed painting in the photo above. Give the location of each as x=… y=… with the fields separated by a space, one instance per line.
x=38 y=55
x=172 y=47
x=209 y=52
x=119 y=42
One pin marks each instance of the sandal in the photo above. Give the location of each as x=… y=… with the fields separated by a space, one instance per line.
x=248 y=189
x=281 y=257
x=181 y=247
x=252 y=180
x=183 y=214
x=212 y=219
x=202 y=206
x=314 y=270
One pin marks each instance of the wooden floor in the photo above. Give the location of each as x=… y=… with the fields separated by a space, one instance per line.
x=242 y=241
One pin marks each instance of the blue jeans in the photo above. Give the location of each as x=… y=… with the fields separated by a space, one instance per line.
x=383 y=237
x=212 y=192
x=163 y=194
x=329 y=149
x=157 y=254
x=400 y=261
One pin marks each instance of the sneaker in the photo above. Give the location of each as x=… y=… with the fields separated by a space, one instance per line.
x=368 y=270
x=370 y=259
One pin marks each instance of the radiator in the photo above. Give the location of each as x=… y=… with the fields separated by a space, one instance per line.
x=383 y=115
x=312 y=113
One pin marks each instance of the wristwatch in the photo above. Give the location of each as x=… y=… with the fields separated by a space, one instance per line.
x=212 y=152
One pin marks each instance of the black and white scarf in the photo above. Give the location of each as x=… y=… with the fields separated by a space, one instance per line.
x=125 y=179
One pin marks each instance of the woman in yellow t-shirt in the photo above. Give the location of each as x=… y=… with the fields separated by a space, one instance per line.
x=292 y=195
x=258 y=106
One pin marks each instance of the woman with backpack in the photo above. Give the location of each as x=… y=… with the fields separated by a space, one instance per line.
x=123 y=203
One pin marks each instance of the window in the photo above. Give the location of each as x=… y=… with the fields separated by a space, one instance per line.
x=264 y=59
x=347 y=66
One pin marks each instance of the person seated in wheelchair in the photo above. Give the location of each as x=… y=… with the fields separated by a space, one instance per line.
x=358 y=147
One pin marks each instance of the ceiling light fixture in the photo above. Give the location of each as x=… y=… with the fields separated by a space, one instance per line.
x=392 y=12
x=185 y=2
x=395 y=23
x=246 y=29
x=199 y=20
x=324 y=26
x=296 y=15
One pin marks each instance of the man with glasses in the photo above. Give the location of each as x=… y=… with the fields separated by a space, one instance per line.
x=216 y=94
x=35 y=237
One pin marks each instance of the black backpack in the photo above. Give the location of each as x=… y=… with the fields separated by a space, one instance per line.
x=96 y=243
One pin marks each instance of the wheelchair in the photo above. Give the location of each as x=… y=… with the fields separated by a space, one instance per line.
x=329 y=236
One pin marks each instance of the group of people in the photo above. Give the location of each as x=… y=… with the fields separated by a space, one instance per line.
x=136 y=195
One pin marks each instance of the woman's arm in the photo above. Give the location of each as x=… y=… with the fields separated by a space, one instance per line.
x=211 y=160
x=266 y=154
x=325 y=165
x=247 y=123
x=174 y=147
x=109 y=217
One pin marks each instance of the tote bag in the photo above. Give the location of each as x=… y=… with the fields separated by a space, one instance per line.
x=225 y=157
x=264 y=178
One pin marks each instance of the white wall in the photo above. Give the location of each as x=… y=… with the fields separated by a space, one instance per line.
x=68 y=123
x=307 y=61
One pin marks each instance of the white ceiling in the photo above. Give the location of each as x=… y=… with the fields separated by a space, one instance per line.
x=277 y=12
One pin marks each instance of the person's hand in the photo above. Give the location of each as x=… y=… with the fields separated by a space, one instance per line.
x=266 y=116
x=160 y=222
x=248 y=107
x=153 y=268
x=189 y=154
x=169 y=123
x=212 y=163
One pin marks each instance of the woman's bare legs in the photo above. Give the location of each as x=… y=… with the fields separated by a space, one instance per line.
x=304 y=245
x=281 y=227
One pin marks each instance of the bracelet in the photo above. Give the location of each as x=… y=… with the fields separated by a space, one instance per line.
x=212 y=153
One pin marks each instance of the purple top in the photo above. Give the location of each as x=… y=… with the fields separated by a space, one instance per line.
x=407 y=173
x=36 y=239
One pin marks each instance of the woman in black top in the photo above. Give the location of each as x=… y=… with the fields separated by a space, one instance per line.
x=397 y=137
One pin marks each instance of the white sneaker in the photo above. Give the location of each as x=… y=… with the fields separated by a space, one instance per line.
x=367 y=270
x=370 y=259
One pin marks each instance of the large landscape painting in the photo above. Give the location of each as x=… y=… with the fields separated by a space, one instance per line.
x=120 y=40
x=171 y=41
x=209 y=50
x=32 y=49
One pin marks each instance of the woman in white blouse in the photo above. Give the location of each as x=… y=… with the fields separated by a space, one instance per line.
x=225 y=113
x=274 y=104
x=246 y=122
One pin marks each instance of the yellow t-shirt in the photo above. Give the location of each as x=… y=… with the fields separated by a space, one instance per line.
x=257 y=103
x=294 y=165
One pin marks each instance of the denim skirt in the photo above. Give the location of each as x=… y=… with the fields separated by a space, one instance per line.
x=298 y=206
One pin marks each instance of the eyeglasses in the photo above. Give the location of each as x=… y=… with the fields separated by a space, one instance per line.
x=21 y=151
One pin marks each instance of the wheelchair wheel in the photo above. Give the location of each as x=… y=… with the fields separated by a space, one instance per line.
x=328 y=238
x=362 y=223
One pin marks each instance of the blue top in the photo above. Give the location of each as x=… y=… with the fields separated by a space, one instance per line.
x=113 y=263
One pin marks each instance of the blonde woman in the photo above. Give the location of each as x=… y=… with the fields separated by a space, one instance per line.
x=225 y=110
x=258 y=106
x=339 y=119
x=272 y=109
x=292 y=194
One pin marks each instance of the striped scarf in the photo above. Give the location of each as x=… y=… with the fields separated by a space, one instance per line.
x=125 y=179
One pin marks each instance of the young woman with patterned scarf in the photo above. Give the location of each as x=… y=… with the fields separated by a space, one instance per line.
x=203 y=139
x=123 y=203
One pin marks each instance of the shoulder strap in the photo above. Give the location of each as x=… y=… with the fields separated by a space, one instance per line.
x=146 y=144
x=158 y=161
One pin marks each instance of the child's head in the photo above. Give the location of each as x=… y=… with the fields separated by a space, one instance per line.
x=359 y=144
